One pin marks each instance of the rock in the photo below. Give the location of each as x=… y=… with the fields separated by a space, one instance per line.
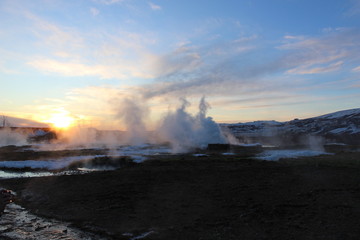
x=5 y=197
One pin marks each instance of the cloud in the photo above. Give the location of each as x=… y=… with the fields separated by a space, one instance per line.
x=7 y=70
x=68 y=68
x=89 y=105
x=184 y=59
x=306 y=70
x=279 y=97
x=155 y=7
x=220 y=70
x=55 y=37
x=357 y=69
x=75 y=69
x=108 y=2
x=121 y=55
x=329 y=52
x=240 y=67
x=94 y=11
x=293 y=37
x=354 y=8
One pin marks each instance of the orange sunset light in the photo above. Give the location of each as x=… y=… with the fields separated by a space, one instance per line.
x=61 y=120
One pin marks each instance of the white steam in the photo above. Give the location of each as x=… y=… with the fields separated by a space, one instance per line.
x=181 y=130
x=88 y=137
x=12 y=137
x=185 y=132
x=133 y=112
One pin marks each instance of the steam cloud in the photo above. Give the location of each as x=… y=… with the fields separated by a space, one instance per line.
x=133 y=114
x=184 y=131
x=11 y=137
x=180 y=129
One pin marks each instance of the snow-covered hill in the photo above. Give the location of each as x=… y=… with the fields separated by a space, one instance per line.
x=342 y=126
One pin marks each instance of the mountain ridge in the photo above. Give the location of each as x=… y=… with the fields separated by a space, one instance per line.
x=341 y=126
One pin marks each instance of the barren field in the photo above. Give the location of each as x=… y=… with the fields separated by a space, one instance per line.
x=210 y=197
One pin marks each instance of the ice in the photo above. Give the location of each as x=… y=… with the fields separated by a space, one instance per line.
x=52 y=164
x=275 y=155
x=137 y=153
x=228 y=154
x=17 y=174
x=200 y=155
x=17 y=223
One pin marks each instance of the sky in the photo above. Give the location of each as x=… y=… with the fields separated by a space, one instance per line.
x=251 y=59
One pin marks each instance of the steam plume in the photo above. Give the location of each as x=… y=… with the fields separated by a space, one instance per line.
x=133 y=114
x=185 y=132
x=11 y=137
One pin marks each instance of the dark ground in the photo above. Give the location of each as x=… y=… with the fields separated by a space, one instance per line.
x=216 y=197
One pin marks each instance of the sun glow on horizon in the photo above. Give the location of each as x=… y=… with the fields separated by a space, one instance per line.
x=61 y=120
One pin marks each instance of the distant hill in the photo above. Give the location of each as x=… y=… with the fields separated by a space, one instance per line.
x=339 y=127
x=6 y=121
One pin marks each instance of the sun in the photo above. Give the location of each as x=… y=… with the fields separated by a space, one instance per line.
x=61 y=120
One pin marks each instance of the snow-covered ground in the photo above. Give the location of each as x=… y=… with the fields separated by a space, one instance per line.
x=28 y=174
x=340 y=114
x=51 y=164
x=137 y=153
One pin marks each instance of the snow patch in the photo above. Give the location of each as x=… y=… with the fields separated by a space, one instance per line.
x=53 y=164
x=339 y=130
x=275 y=155
x=340 y=114
x=200 y=155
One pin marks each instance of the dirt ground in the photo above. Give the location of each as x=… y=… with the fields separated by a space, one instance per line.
x=215 y=197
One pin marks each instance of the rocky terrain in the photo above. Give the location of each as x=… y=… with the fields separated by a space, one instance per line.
x=338 y=127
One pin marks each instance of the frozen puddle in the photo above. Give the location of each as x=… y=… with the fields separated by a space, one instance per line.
x=137 y=153
x=275 y=155
x=9 y=174
x=51 y=164
x=17 y=223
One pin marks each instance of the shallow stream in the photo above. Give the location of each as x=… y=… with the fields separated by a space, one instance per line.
x=17 y=223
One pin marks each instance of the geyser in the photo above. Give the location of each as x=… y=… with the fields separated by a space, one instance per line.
x=186 y=132
x=181 y=130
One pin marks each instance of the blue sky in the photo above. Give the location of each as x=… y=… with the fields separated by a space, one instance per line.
x=252 y=59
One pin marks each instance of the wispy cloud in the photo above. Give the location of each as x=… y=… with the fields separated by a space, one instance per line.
x=122 y=56
x=310 y=55
x=57 y=38
x=74 y=69
x=7 y=70
x=154 y=6
x=108 y=2
x=94 y=11
x=219 y=70
x=228 y=68
x=357 y=69
x=325 y=69
x=354 y=8
x=183 y=58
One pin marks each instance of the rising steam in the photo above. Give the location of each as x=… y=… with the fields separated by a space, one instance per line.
x=181 y=130
x=134 y=113
x=186 y=132
x=12 y=137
